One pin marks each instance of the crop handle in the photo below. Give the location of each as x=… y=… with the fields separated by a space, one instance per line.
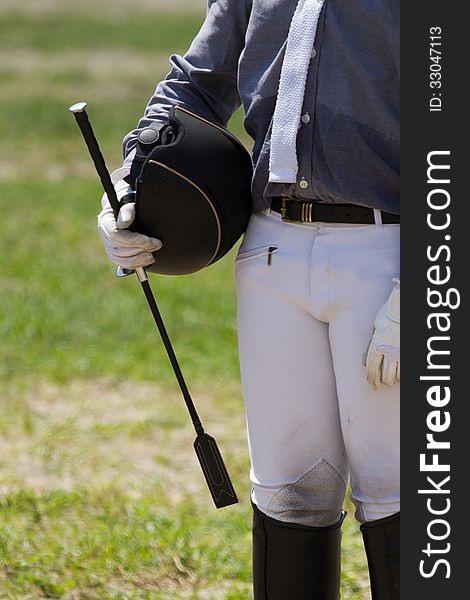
x=80 y=114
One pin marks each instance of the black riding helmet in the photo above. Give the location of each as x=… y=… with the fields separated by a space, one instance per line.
x=193 y=191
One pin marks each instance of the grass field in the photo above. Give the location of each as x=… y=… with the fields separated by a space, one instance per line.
x=100 y=492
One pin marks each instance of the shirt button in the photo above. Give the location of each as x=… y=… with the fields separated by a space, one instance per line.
x=314 y=52
x=303 y=184
x=306 y=118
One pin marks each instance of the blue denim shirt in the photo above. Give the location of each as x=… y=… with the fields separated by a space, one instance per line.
x=348 y=141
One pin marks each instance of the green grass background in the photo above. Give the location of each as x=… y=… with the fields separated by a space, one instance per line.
x=100 y=493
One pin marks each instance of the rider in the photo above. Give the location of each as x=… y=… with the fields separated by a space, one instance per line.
x=316 y=274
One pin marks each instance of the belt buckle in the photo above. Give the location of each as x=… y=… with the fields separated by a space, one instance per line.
x=306 y=215
x=307 y=212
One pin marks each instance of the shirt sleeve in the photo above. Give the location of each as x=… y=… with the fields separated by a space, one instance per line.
x=205 y=78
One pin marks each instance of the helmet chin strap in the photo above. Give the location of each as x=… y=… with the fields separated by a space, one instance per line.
x=168 y=135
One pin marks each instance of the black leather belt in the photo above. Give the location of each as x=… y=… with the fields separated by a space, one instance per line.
x=304 y=211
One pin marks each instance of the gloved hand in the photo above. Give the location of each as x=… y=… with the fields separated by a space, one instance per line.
x=383 y=355
x=126 y=249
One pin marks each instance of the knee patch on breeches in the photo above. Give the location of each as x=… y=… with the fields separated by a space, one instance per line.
x=315 y=500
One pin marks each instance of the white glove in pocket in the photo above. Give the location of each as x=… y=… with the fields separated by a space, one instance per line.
x=383 y=355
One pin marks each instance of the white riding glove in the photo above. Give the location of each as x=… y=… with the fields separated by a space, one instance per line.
x=126 y=249
x=383 y=355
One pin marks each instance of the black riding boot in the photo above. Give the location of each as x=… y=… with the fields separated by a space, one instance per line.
x=382 y=544
x=294 y=561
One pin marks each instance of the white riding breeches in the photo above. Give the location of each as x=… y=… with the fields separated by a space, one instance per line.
x=307 y=298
